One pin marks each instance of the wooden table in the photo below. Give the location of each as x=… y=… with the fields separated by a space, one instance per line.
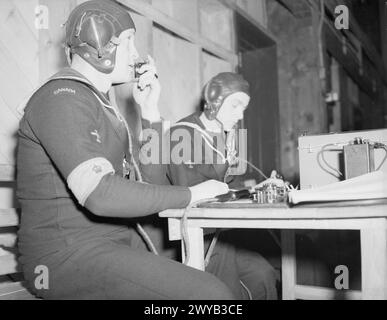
x=370 y=220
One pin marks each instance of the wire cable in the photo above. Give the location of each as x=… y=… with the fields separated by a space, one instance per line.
x=247 y=290
x=254 y=167
x=384 y=159
x=147 y=239
x=212 y=247
x=275 y=238
x=184 y=228
x=321 y=157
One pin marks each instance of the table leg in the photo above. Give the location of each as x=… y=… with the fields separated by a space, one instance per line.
x=195 y=248
x=288 y=245
x=374 y=261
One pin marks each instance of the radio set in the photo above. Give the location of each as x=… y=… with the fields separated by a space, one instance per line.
x=271 y=191
x=330 y=158
x=324 y=159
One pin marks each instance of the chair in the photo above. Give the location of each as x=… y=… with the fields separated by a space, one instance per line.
x=11 y=285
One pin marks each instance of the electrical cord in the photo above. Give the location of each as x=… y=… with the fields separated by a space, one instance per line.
x=321 y=157
x=254 y=167
x=184 y=228
x=337 y=174
x=207 y=140
x=147 y=239
x=247 y=290
x=206 y=137
x=383 y=146
x=212 y=247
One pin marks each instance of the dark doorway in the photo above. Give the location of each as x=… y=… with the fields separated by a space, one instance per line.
x=258 y=65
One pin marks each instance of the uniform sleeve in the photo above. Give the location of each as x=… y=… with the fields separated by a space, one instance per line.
x=67 y=127
x=117 y=197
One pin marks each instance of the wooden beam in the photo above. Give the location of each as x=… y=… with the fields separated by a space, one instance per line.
x=9 y=218
x=383 y=29
x=289 y=265
x=349 y=62
x=8 y=239
x=268 y=35
x=320 y=293
x=299 y=9
x=8 y=264
x=354 y=31
x=7 y=172
x=179 y=29
x=15 y=291
x=366 y=43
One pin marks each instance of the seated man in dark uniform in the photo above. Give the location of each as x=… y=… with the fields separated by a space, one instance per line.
x=79 y=182
x=212 y=142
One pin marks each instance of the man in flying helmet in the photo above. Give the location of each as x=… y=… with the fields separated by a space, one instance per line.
x=79 y=182
x=215 y=155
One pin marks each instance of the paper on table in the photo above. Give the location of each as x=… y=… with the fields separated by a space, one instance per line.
x=369 y=186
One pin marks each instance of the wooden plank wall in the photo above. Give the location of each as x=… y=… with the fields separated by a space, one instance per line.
x=18 y=67
x=255 y=8
x=302 y=108
x=19 y=75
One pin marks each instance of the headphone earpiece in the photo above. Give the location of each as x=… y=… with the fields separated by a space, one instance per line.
x=212 y=92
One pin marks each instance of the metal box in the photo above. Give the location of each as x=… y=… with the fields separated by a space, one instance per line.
x=358 y=160
x=309 y=147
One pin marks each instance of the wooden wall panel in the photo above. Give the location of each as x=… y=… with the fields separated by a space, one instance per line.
x=51 y=50
x=7 y=196
x=216 y=22
x=255 y=8
x=335 y=126
x=27 y=57
x=302 y=108
x=18 y=36
x=212 y=66
x=178 y=65
x=26 y=9
x=9 y=124
x=18 y=68
x=184 y=12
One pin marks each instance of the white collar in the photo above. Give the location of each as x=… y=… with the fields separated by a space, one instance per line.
x=210 y=125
